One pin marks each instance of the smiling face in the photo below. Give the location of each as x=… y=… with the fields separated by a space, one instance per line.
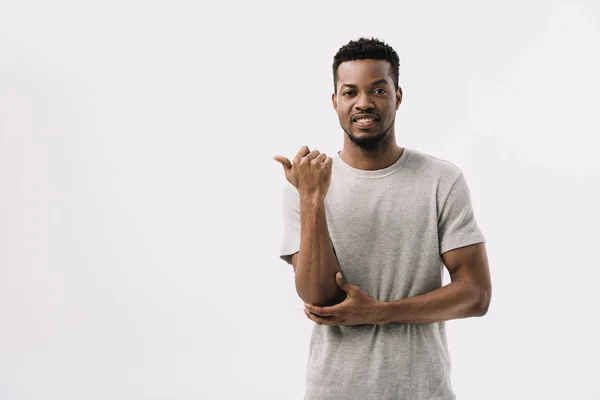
x=366 y=101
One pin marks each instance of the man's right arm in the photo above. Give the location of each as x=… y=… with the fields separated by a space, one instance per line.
x=315 y=265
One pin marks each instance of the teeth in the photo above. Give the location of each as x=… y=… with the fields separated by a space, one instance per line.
x=365 y=120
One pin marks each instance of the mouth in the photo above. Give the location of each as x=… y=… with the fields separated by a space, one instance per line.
x=365 y=121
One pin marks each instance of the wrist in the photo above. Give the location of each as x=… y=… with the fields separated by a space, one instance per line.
x=382 y=313
x=311 y=199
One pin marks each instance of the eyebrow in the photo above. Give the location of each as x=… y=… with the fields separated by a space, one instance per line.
x=377 y=82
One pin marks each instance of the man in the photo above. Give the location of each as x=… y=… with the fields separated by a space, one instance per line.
x=368 y=232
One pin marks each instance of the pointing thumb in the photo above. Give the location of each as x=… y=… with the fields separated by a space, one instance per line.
x=287 y=165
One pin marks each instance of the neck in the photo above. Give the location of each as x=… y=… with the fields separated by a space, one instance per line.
x=371 y=159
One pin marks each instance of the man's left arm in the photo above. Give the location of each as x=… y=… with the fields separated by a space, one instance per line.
x=467 y=295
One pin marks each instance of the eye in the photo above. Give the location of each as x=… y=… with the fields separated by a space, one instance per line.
x=382 y=90
x=347 y=93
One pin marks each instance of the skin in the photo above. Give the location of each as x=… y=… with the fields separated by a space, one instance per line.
x=375 y=148
x=469 y=292
x=315 y=264
x=468 y=295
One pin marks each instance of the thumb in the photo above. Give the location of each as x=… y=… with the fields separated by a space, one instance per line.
x=287 y=165
x=342 y=283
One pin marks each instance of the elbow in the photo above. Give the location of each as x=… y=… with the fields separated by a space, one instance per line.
x=483 y=302
x=320 y=297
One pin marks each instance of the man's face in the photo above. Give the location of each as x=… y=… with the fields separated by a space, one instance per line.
x=365 y=89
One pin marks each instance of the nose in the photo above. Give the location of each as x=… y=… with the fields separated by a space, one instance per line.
x=363 y=103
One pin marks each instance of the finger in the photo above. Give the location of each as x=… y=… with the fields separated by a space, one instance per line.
x=287 y=165
x=331 y=311
x=301 y=153
x=313 y=154
x=311 y=317
x=320 y=158
x=342 y=283
x=319 y=320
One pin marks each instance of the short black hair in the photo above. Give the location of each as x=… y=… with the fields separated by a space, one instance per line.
x=365 y=48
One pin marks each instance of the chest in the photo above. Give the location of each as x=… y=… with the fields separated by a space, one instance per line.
x=385 y=236
x=373 y=211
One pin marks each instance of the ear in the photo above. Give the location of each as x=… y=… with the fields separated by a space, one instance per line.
x=334 y=101
x=398 y=97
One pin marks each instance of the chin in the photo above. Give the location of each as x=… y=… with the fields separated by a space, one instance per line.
x=370 y=142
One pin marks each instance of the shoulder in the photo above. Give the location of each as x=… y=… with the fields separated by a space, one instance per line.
x=434 y=167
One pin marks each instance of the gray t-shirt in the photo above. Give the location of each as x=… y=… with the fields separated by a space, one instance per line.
x=389 y=228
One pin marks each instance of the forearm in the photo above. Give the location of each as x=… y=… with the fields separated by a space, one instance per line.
x=458 y=299
x=317 y=263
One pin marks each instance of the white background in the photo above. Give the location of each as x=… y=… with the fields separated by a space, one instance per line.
x=140 y=208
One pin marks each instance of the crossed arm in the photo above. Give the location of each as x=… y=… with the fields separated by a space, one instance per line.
x=468 y=295
x=330 y=299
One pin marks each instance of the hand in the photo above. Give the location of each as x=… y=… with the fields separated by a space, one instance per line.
x=357 y=309
x=310 y=173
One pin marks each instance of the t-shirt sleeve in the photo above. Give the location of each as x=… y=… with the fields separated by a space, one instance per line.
x=291 y=223
x=456 y=223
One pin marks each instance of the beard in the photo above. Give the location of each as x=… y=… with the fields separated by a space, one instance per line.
x=371 y=142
